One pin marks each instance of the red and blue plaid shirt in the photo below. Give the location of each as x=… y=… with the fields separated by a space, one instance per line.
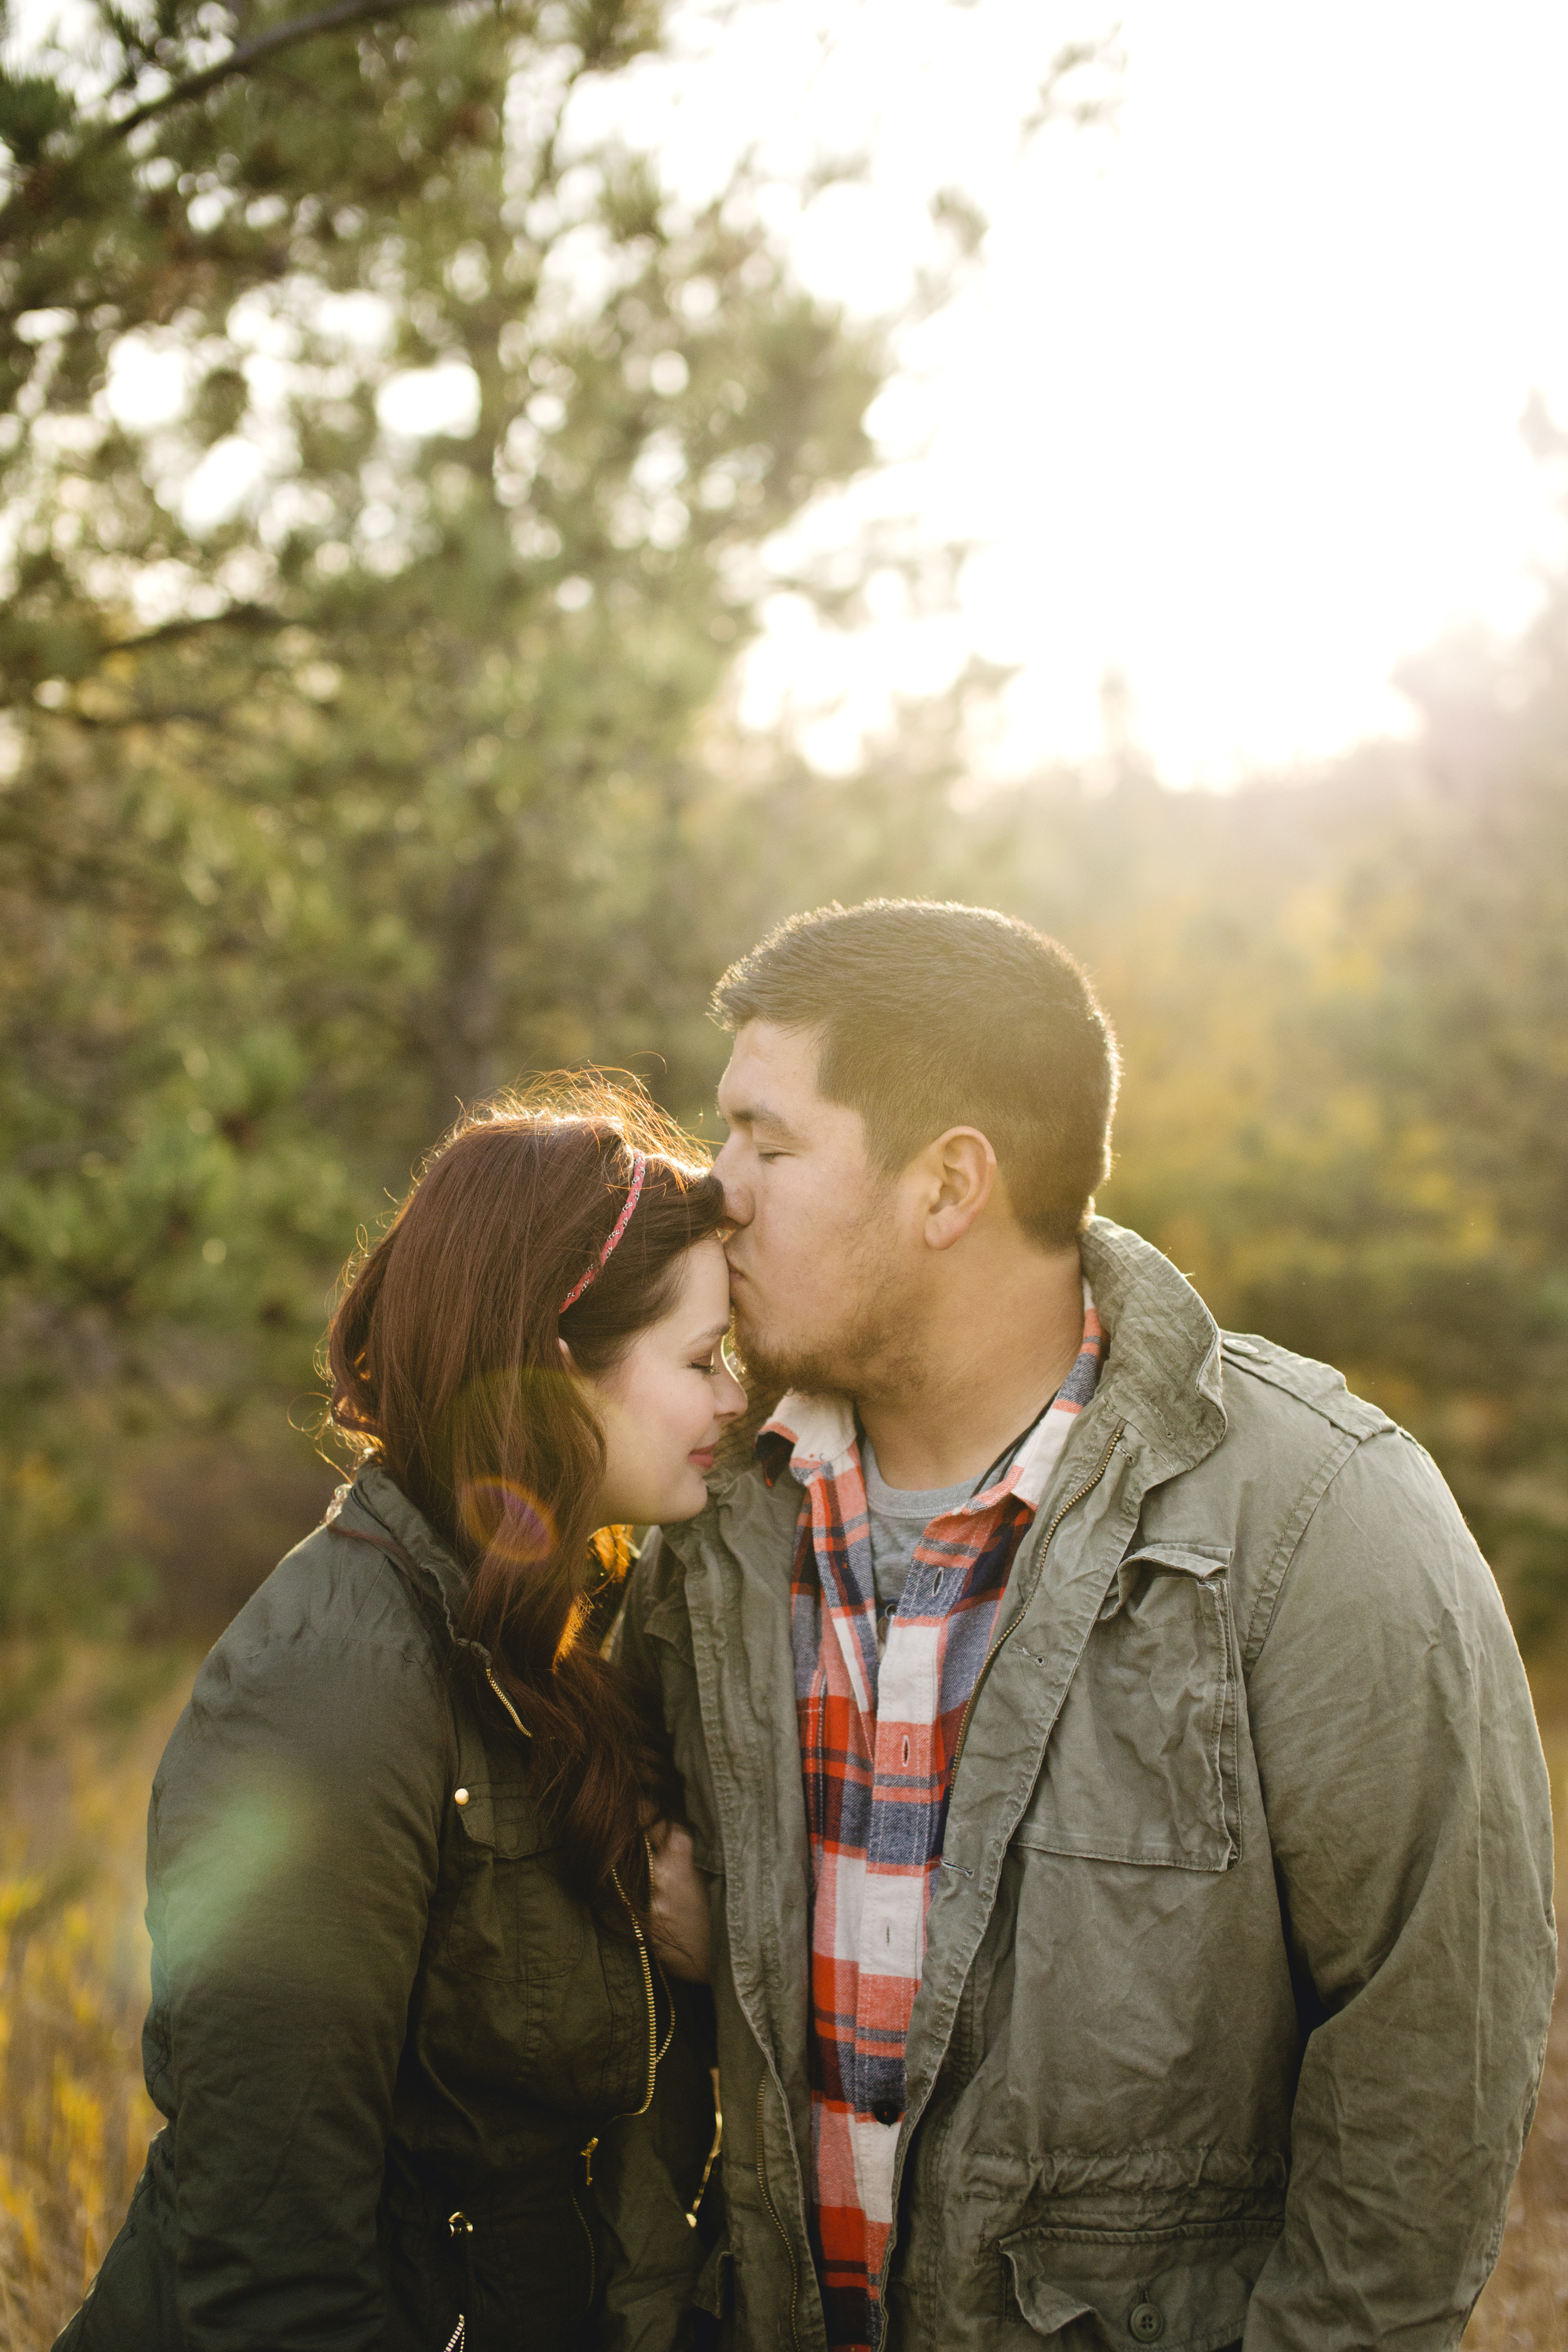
x=877 y=1741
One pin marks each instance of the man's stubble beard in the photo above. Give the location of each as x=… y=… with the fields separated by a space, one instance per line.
x=872 y=1351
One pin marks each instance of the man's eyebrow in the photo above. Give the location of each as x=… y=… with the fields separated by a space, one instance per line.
x=757 y=1115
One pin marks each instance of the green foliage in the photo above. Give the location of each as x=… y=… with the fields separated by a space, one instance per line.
x=310 y=783
x=404 y=770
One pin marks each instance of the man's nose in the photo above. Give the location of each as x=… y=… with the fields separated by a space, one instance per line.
x=737 y=1197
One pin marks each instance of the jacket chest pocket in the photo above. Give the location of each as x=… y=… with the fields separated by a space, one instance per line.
x=1141 y=1766
x=544 y=1994
x=513 y=1920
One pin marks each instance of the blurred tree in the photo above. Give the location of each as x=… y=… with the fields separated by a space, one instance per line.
x=390 y=475
x=338 y=686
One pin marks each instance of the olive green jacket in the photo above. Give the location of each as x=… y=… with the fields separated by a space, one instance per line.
x=1240 y=1955
x=376 y=2006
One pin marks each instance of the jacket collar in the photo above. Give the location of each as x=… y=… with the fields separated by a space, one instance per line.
x=376 y=1497
x=1161 y=1377
x=816 y=1435
x=1162 y=1373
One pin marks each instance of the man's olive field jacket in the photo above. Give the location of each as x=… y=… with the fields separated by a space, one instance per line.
x=1240 y=1955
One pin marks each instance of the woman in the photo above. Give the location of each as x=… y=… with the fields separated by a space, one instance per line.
x=408 y=2012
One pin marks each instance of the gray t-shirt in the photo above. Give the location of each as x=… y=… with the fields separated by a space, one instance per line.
x=899 y=1517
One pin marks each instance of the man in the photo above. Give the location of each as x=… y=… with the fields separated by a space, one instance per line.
x=1130 y=1841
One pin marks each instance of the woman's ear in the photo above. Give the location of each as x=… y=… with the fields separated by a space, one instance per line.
x=565 y=1353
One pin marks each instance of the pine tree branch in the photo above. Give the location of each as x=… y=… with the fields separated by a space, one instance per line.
x=26 y=211
x=251 y=53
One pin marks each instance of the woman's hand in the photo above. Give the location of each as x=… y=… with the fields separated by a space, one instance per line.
x=677 y=1911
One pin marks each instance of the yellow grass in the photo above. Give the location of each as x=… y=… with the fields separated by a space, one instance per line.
x=75 y=2121
x=74 y=2118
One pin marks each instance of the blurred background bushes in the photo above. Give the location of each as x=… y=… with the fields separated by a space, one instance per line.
x=332 y=804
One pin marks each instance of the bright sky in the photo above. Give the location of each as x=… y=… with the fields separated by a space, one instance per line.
x=1234 y=406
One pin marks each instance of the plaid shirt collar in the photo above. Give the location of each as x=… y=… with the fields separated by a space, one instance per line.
x=815 y=1436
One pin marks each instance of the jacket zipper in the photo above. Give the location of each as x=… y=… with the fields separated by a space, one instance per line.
x=1071 y=1504
x=653 y=2052
x=652 y=2018
x=592 y=2258
x=773 y=2216
x=508 y=1705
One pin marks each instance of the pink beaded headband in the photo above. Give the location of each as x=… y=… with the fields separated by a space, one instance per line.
x=639 y=1169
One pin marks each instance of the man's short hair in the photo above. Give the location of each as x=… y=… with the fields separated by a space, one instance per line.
x=937 y=1015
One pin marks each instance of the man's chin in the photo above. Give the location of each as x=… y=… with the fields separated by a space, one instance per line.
x=832 y=1362
x=775 y=1370
x=769 y=1367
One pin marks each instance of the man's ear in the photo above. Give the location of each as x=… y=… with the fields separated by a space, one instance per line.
x=959 y=1173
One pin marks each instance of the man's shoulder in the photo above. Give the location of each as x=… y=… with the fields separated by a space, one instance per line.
x=1292 y=1429
x=1266 y=1384
x=1171 y=1367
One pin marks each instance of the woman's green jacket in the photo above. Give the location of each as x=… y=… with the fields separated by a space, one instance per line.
x=404 y=2070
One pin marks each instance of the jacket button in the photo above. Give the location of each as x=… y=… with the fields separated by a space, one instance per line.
x=886 y=2112
x=1146 y=2321
x=460 y=1796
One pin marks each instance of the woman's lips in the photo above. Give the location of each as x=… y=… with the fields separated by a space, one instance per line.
x=702 y=1459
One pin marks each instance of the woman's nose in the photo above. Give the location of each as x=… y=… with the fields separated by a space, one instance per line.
x=733 y=1398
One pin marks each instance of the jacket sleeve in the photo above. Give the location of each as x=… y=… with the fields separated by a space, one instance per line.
x=1408 y=1811
x=294 y=1850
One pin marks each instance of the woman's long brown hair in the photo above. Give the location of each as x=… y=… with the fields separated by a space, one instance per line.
x=446 y=1369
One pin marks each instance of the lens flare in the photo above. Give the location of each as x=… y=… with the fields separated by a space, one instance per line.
x=507 y=1520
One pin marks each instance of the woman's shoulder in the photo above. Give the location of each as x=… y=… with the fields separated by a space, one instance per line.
x=370 y=1577
x=331 y=1673
x=324 y=1713
x=345 y=1627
